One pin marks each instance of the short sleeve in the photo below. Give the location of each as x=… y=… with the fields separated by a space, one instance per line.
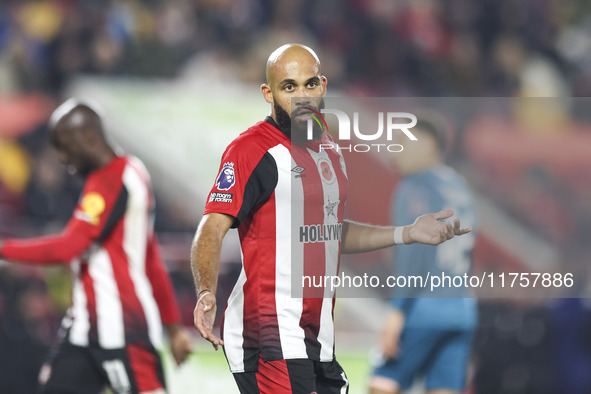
x=246 y=178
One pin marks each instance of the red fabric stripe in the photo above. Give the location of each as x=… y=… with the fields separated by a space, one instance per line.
x=145 y=368
x=251 y=316
x=273 y=377
x=161 y=284
x=90 y=301
x=267 y=259
x=133 y=313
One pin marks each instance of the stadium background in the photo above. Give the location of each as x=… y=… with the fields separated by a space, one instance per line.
x=178 y=79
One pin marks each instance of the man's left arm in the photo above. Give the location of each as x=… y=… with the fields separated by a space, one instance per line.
x=427 y=229
x=180 y=340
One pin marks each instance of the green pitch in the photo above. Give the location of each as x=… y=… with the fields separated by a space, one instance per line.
x=207 y=372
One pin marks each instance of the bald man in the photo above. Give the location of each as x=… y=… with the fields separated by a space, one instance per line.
x=122 y=295
x=283 y=185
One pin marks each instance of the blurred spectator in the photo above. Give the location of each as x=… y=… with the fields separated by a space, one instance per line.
x=28 y=321
x=51 y=195
x=571 y=344
x=407 y=47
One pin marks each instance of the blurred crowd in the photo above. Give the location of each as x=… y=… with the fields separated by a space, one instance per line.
x=376 y=47
x=380 y=48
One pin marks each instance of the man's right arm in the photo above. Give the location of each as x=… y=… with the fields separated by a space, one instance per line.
x=101 y=206
x=205 y=263
x=51 y=249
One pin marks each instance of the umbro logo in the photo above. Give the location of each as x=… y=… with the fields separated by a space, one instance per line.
x=298 y=170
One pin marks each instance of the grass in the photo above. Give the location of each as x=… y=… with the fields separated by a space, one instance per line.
x=206 y=371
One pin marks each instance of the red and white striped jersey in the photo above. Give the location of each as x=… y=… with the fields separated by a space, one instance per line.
x=288 y=202
x=121 y=292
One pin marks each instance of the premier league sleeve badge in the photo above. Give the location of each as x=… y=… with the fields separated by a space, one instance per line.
x=226 y=178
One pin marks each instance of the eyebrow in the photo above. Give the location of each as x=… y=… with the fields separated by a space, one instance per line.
x=293 y=81
x=313 y=79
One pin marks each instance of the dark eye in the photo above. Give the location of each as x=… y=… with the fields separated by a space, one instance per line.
x=313 y=84
x=289 y=88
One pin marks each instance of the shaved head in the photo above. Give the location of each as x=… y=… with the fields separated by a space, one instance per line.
x=289 y=56
x=76 y=131
x=73 y=115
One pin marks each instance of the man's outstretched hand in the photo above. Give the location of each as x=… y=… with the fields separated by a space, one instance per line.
x=429 y=229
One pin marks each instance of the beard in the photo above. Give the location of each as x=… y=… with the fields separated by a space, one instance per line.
x=297 y=130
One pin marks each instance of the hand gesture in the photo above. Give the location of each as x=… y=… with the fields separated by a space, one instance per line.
x=204 y=317
x=428 y=229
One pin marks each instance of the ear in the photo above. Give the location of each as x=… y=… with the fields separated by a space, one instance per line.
x=323 y=82
x=267 y=94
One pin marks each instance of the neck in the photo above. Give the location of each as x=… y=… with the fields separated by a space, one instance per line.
x=104 y=157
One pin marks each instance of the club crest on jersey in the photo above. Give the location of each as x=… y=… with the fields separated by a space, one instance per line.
x=226 y=178
x=326 y=171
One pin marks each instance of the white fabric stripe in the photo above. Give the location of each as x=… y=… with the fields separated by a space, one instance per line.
x=80 y=324
x=136 y=229
x=233 y=325
x=109 y=312
x=294 y=221
x=289 y=309
x=331 y=194
x=344 y=388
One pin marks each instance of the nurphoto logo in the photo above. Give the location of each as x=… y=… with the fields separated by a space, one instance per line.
x=389 y=123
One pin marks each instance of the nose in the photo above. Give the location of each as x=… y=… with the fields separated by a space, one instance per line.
x=303 y=91
x=303 y=98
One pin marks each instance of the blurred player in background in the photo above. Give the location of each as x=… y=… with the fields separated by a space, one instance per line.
x=122 y=295
x=428 y=334
x=276 y=343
